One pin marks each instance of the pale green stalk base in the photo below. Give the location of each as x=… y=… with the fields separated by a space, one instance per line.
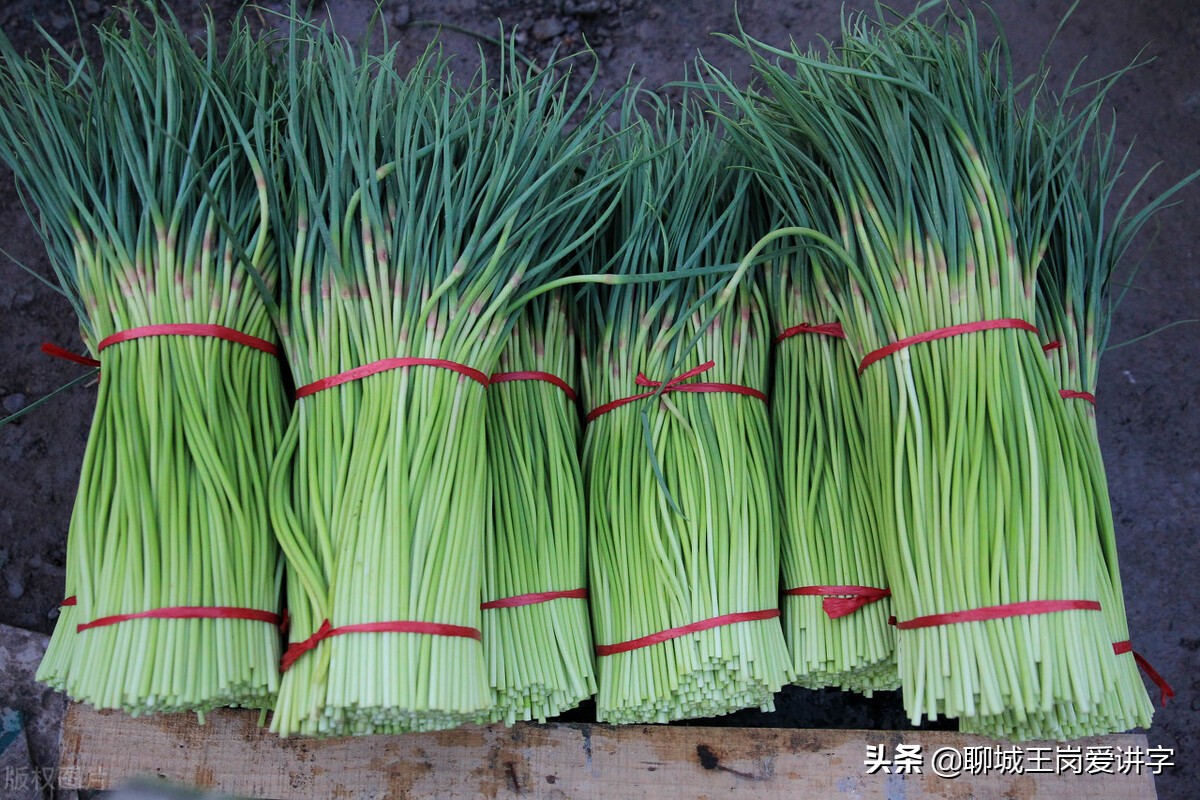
x=653 y=569
x=1002 y=497
x=830 y=534
x=855 y=653
x=171 y=511
x=706 y=674
x=397 y=535
x=540 y=659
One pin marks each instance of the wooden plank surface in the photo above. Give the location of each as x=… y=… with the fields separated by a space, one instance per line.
x=232 y=755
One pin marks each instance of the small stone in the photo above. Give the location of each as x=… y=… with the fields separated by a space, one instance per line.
x=547 y=28
x=16 y=584
x=92 y=7
x=401 y=14
x=606 y=52
x=14 y=402
x=23 y=299
x=60 y=21
x=583 y=8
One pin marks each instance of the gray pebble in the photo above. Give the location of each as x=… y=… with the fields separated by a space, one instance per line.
x=401 y=14
x=584 y=8
x=16 y=584
x=14 y=402
x=547 y=28
x=92 y=7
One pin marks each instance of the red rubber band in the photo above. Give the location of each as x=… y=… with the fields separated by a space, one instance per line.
x=534 y=598
x=674 y=385
x=384 y=365
x=1071 y=394
x=1024 y=609
x=180 y=329
x=59 y=352
x=190 y=329
x=852 y=597
x=674 y=633
x=67 y=601
x=186 y=612
x=823 y=329
x=1165 y=692
x=531 y=375
x=297 y=649
x=943 y=333
x=1050 y=347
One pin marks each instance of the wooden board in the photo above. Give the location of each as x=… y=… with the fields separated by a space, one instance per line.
x=231 y=754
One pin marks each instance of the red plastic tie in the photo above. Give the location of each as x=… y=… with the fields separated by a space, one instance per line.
x=59 y=352
x=189 y=329
x=674 y=633
x=823 y=329
x=384 y=365
x=1071 y=394
x=1165 y=692
x=532 y=375
x=67 y=601
x=1050 y=347
x=186 y=612
x=297 y=649
x=177 y=329
x=841 y=601
x=943 y=333
x=534 y=598
x=676 y=385
x=1023 y=609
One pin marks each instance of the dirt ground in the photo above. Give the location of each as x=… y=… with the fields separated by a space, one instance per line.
x=1149 y=392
